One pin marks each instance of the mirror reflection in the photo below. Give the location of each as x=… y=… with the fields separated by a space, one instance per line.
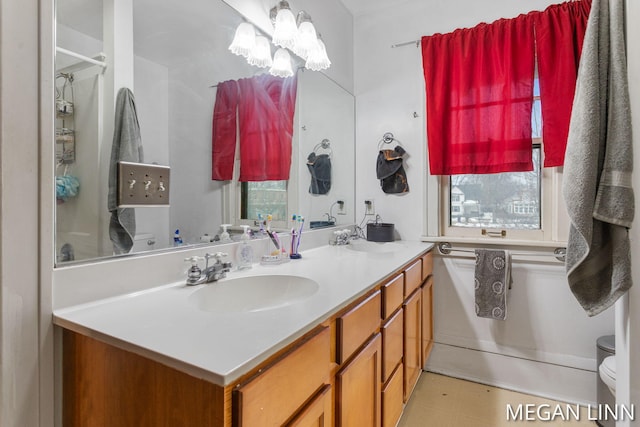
x=172 y=56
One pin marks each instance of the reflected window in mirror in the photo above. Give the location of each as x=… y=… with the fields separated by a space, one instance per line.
x=259 y=199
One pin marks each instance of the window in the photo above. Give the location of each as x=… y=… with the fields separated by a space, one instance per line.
x=518 y=202
x=259 y=199
x=244 y=201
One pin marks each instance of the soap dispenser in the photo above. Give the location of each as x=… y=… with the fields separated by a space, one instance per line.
x=245 y=251
x=224 y=236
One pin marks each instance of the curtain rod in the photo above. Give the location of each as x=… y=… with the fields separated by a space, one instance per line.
x=416 y=42
x=445 y=248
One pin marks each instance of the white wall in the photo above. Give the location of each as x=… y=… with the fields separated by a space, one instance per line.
x=20 y=339
x=547 y=345
x=152 y=105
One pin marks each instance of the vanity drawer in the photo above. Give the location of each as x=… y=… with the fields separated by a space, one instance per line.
x=357 y=325
x=392 y=342
x=392 y=295
x=412 y=277
x=427 y=265
x=283 y=387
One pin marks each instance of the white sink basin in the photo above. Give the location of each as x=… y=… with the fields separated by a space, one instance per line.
x=253 y=293
x=374 y=247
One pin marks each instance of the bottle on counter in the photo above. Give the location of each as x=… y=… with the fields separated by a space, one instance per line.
x=245 y=251
x=177 y=239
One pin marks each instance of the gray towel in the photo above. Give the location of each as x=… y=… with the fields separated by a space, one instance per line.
x=492 y=281
x=127 y=146
x=320 y=169
x=599 y=161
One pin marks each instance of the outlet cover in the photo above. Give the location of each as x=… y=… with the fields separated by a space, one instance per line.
x=140 y=184
x=369 y=209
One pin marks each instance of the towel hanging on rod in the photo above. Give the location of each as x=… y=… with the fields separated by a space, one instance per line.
x=319 y=166
x=389 y=166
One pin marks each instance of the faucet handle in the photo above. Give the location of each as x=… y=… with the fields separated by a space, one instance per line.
x=218 y=255
x=193 y=260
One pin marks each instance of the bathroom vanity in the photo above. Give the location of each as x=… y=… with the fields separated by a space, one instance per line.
x=346 y=353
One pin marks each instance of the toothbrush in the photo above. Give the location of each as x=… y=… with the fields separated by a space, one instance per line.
x=301 y=221
x=294 y=235
x=261 y=223
x=274 y=238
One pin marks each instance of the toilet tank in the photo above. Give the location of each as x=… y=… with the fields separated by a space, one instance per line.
x=143 y=242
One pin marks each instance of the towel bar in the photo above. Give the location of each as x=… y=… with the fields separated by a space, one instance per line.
x=445 y=248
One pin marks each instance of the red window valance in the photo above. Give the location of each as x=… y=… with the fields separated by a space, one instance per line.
x=479 y=90
x=265 y=107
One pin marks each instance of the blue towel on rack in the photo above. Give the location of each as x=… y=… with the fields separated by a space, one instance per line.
x=127 y=146
x=492 y=281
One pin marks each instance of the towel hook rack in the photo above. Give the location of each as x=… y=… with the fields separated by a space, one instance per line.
x=388 y=138
x=325 y=144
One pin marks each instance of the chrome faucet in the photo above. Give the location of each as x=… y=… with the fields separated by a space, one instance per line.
x=219 y=269
x=341 y=237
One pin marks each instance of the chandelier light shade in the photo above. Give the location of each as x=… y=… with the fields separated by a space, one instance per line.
x=306 y=41
x=318 y=59
x=260 y=55
x=297 y=35
x=285 y=29
x=244 y=40
x=281 y=64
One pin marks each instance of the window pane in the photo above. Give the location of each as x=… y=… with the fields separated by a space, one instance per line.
x=264 y=198
x=505 y=200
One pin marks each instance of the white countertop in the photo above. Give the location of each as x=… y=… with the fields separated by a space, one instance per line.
x=163 y=325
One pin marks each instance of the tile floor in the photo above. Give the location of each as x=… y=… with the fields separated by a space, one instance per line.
x=441 y=401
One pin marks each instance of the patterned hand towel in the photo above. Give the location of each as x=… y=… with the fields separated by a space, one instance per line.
x=492 y=280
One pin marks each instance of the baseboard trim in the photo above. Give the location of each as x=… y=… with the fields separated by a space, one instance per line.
x=548 y=380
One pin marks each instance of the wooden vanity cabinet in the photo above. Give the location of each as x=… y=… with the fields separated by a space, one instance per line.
x=358 y=368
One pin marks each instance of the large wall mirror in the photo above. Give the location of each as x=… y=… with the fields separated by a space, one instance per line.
x=172 y=54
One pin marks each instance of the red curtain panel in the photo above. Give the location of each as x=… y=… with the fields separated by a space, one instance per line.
x=479 y=88
x=559 y=35
x=223 y=140
x=266 y=110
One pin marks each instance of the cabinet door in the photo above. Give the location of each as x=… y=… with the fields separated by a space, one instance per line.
x=412 y=342
x=358 y=388
x=392 y=343
x=316 y=413
x=427 y=319
x=393 y=399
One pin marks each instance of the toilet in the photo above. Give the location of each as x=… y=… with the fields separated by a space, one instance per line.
x=143 y=242
x=607 y=371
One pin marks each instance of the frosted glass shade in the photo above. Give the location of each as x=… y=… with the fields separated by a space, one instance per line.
x=244 y=40
x=285 y=30
x=260 y=55
x=281 y=64
x=307 y=40
x=318 y=58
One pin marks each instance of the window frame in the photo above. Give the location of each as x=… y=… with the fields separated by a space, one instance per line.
x=553 y=215
x=232 y=191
